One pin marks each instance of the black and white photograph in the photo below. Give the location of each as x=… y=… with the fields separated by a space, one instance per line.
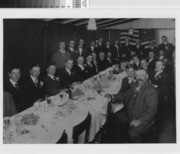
x=89 y=80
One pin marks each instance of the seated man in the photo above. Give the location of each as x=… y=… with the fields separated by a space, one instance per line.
x=160 y=81
x=14 y=87
x=80 y=70
x=141 y=102
x=109 y=59
x=136 y=62
x=90 y=66
x=144 y=65
x=129 y=80
x=102 y=62
x=51 y=82
x=33 y=87
x=67 y=75
x=151 y=61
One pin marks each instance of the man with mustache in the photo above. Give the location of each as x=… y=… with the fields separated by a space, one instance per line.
x=140 y=107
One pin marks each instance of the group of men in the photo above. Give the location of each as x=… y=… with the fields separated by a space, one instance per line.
x=141 y=90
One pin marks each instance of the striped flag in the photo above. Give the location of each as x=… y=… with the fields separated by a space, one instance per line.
x=132 y=38
x=145 y=35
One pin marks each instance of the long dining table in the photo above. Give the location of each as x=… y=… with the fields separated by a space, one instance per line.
x=46 y=121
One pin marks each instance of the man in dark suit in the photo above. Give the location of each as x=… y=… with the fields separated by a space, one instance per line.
x=90 y=67
x=136 y=62
x=161 y=82
x=102 y=62
x=139 y=49
x=108 y=47
x=141 y=102
x=144 y=65
x=151 y=61
x=33 y=86
x=91 y=49
x=80 y=70
x=151 y=48
x=167 y=47
x=125 y=50
x=67 y=75
x=52 y=82
x=129 y=80
x=73 y=52
x=100 y=47
x=116 y=50
x=109 y=59
x=94 y=61
x=14 y=87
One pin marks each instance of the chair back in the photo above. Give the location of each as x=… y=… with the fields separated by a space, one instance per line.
x=80 y=128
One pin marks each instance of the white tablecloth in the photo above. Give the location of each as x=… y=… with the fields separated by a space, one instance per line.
x=64 y=114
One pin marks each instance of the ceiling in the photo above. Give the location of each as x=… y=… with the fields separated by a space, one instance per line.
x=83 y=22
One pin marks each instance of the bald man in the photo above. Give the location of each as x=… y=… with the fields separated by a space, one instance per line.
x=140 y=102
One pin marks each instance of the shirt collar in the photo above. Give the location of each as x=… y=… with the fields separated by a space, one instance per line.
x=33 y=78
x=13 y=82
x=68 y=71
x=81 y=66
x=52 y=77
x=157 y=73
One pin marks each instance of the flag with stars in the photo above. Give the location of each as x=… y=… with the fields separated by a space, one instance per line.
x=147 y=35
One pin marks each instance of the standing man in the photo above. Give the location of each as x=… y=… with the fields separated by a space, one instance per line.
x=60 y=57
x=151 y=61
x=141 y=102
x=167 y=47
x=72 y=51
x=14 y=87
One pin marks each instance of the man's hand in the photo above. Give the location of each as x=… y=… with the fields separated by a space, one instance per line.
x=108 y=96
x=135 y=123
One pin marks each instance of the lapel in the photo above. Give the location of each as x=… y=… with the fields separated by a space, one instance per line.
x=32 y=83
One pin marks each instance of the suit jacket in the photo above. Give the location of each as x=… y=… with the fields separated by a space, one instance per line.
x=73 y=55
x=81 y=74
x=140 y=105
x=52 y=86
x=154 y=49
x=125 y=85
x=31 y=92
x=139 y=51
x=152 y=64
x=168 y=48
x=126 y=50
x=83 y=53
x=91 y=70
x=89 y=50
x=9 y=108
x=59 y=59
x=162 y=81
x=17 y=94
x=102 y=65
x=109 y=63
x=66 y=80
x=116 y=52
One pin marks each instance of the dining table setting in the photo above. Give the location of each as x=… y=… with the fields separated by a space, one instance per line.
x=46 y=120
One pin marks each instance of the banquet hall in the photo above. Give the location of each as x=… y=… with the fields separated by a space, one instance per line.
x=96 y=80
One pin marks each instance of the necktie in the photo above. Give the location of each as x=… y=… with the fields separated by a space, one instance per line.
x=36 y=82
x=16 y=86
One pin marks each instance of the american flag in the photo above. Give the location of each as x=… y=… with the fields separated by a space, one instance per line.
x=145 y=35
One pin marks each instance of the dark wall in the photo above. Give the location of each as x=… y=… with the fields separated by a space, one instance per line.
x=24 y=44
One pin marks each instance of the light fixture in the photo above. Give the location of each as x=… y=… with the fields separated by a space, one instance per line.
x=92 y=24
x=130 y=30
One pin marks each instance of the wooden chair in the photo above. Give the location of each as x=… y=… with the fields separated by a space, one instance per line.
x=80 y=128
x=63 y=138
